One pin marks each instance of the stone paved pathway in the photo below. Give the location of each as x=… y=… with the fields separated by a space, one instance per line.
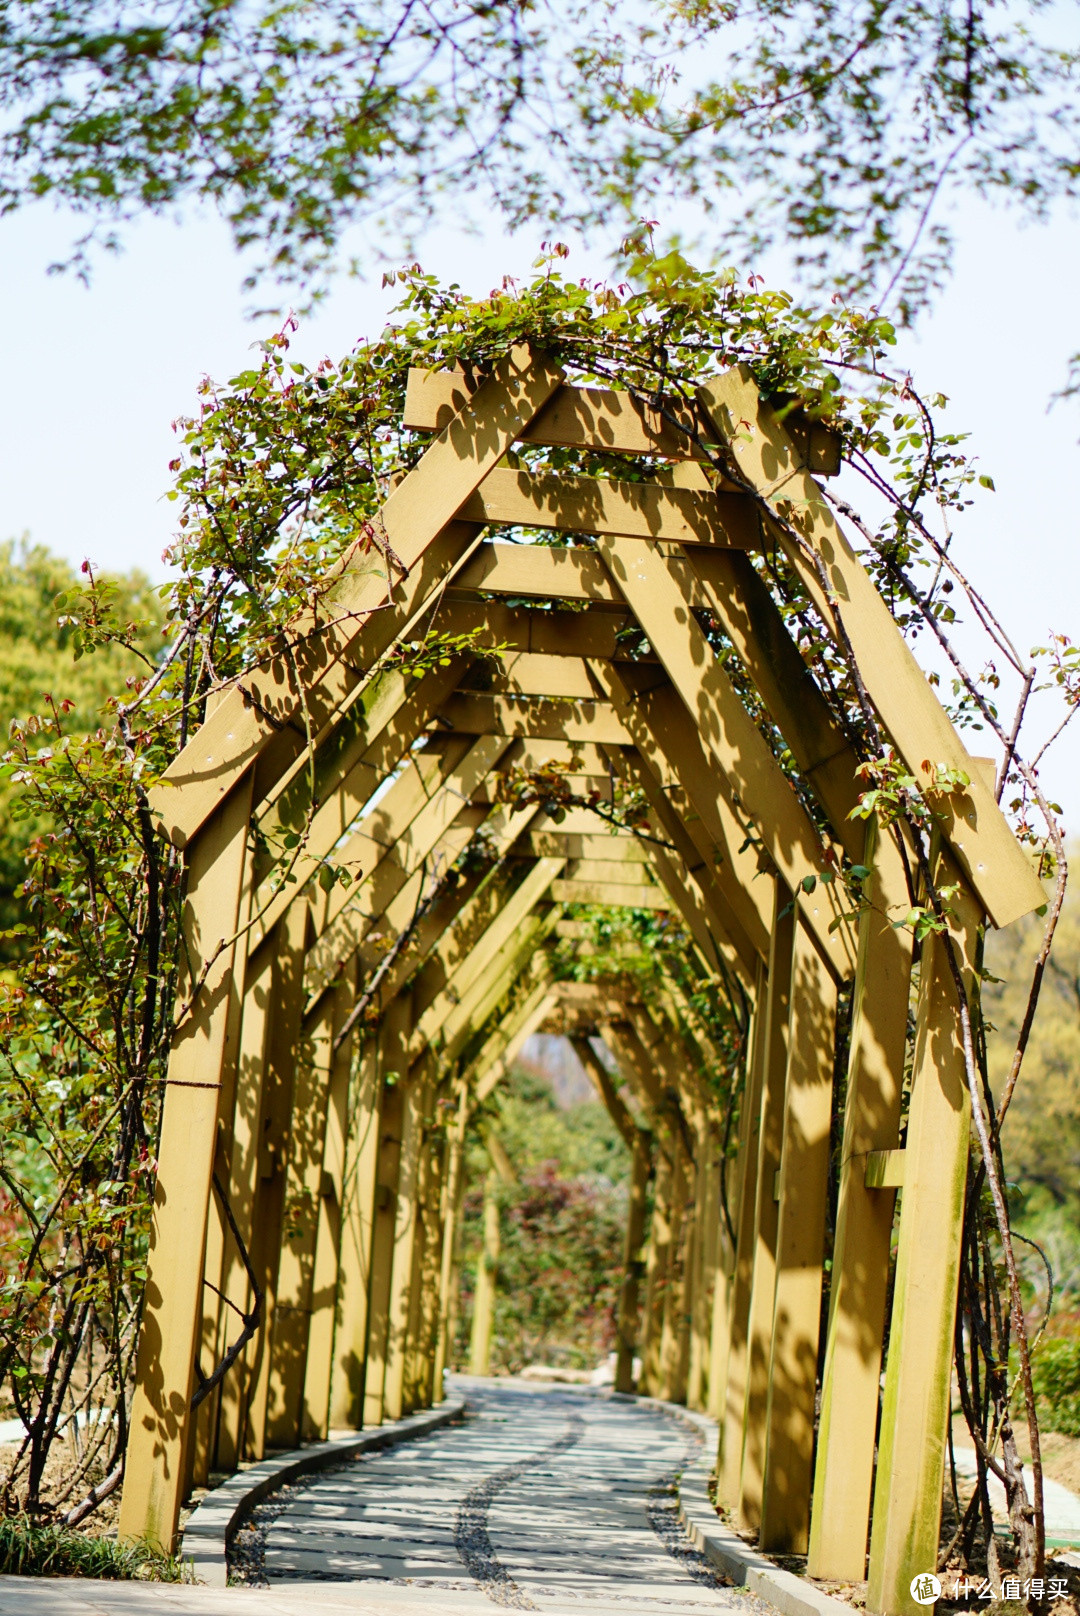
x=541 y=1499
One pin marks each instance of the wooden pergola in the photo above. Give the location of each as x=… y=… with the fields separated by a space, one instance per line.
x=334 y=1039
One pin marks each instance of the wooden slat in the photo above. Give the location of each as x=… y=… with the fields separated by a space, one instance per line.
x=529 y=673
x=851 y=1377
x=599 y=418
x=439 y=1019
x=659 y=602
x=750 y=1465
x=612 y=893
x=631 y=872
x=503 y=628
x=474 y=714
x=160 y=1421
x=548 y=843
x=415 y=513
x=572 y=504
x=575 y=417
x=916 y=1399
x=800 y=1252
x=681 y=781
x=549 y=571
x=996 y=866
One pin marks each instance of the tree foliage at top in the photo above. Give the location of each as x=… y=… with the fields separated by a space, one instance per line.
x=839 y=128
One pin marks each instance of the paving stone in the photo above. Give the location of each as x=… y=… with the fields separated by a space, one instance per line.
x=540 y=1499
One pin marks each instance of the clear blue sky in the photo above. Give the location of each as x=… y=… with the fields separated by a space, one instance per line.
x=93 y=379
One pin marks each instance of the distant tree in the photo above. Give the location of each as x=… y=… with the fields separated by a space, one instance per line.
x=561 y=1229
x=840 y=130
x=1042 y=1130
x=47 y=660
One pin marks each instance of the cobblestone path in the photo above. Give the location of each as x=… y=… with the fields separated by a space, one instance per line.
x=540 y=1499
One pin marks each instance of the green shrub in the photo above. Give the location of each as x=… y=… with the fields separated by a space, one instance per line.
x=1055 y=1372
x=27 y=1550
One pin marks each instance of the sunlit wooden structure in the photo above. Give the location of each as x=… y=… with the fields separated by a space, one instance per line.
x=333 y=1041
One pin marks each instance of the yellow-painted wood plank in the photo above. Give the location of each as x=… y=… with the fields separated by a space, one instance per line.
x=575 y=417
x=160 y=1421
x=327 y=1275
x=600 y=418
x=659 y=602
x=759 y=1326
x=916 y=1400
x=475 y=714
x=800 y=1252
x=572 y=504
x=613 y=894
x=415 y=513
x=998 y=869
x=851 y=1376
x=357 y=1226
x=732 y=1397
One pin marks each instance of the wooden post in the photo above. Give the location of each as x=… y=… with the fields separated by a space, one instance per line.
x=627 y=1326
x=160 y=1414
x=243 y=1191
x=851 y=1379
x=730 y=1392
x=800 y=1252
x=421 y=1386
x=674 y=1327
x=487 y=1276
x=286 y=1018
x=405 y=1237
x=358 y=1218
x=393 y=1042
x=453 y=1188
x=325 y=1273
x=707 y=1273
x=918 y=1370
x=763 y=1284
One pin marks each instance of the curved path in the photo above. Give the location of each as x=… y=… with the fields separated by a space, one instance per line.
x=541 y=1498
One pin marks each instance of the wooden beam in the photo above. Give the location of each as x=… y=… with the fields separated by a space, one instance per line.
x=357 y=1225
x=998 y=870
x=627 y=848
x=611 y=894
x=916 y=1401
x=475 y=714
x=599 y=418
x=730 y=1401
x=339 y=814
x=851 y=1378
x=572 y=504
x=411 y=837
x=766 y=1215
x=496 y=1055
x=414 y=515
x=660 y=604
x=441 y=1019
x=366 y=745
x=575 y=417
x=800 y=1253
x=160 y=1418
x=683 y=781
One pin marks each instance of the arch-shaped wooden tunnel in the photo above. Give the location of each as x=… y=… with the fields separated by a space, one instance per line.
x=451 y=727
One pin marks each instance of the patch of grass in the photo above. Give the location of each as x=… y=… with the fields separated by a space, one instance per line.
x=27 y=1550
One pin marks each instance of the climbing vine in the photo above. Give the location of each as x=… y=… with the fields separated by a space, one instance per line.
x=278 y=480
